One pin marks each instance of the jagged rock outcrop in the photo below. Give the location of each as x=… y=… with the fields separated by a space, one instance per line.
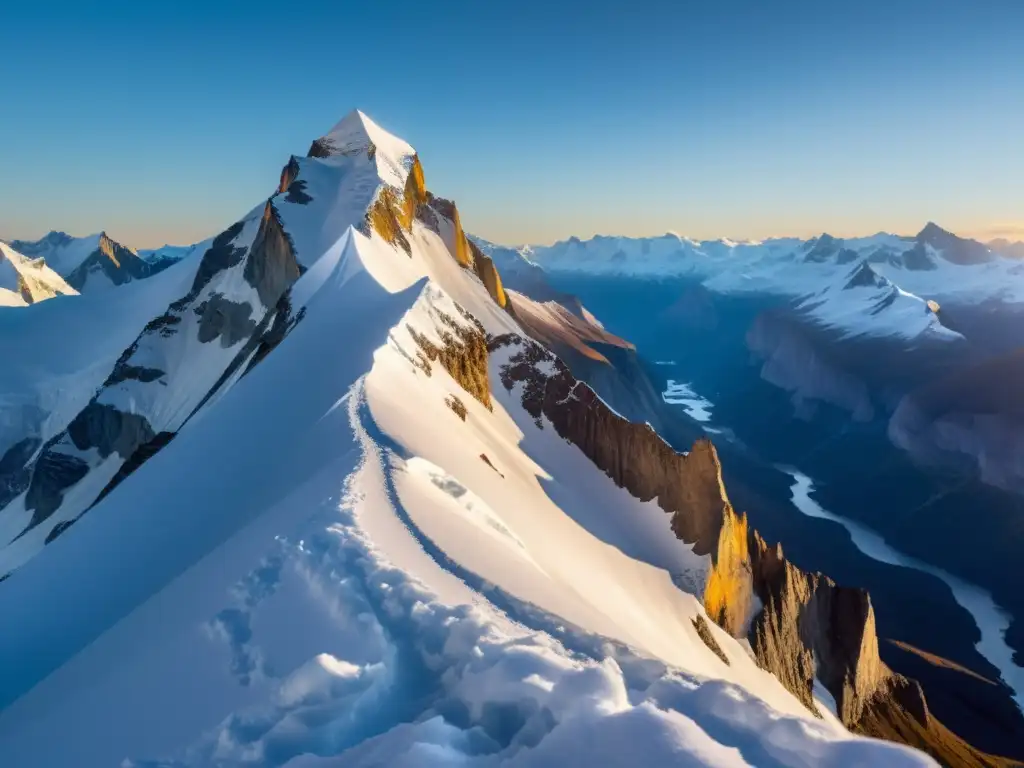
x=442 y=216
x=391 y=214
x=462 y=352
x=120 y=418
x=454 y=237
x=801 y=625
x=488 y=274
x=633 y=455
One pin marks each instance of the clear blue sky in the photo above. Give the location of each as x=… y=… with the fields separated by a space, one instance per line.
x=164 y=121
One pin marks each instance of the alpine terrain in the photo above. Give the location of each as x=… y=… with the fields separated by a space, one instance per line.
x=342 y=486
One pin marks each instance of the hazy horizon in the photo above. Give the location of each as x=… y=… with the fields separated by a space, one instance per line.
x=542 y=123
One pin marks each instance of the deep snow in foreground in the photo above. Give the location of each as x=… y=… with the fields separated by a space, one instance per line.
x=376 y=598
x=329 y=566
x=991 y=620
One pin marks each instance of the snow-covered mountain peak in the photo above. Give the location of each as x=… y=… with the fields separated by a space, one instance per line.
x=367 y=519
x=864 y=303
x=356 y=133
x=63 y=252
x=952 y=248
x=25 y=280
x=864 y=276
x=934 y=234
x=93 y=262
x=825 y=247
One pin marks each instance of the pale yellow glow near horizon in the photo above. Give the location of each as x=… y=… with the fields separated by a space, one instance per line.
x=511 y=231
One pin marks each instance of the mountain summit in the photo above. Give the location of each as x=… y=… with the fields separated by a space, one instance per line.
x=329 y=500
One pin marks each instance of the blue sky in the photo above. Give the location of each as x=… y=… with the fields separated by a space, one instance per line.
x=165 y=121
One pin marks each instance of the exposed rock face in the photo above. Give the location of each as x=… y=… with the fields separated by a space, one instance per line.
x=793 y=363
x=15 y=471
x=812 y=627
x=633 y=455
x=140 y=456
x=728 y=592
x=117 y=263
x=119 y=420
x=454 y=236
x=704 y=631
x=488 y=275
x=273 y=267
x=392 y=213
x=805 y=626
x=457 y=406
x=462 y=352
x=442 y=217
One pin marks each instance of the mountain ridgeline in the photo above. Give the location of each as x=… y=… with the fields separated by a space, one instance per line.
x=359 y=197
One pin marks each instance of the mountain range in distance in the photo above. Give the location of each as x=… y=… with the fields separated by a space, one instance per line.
x=342 y=485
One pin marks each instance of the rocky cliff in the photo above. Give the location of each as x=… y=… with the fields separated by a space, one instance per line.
x=802 y=626
x=113 y=261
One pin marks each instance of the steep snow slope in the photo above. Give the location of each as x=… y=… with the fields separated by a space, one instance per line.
x=864 y=303
x=57 y=353
x=376 y=591
x=25 y=281
x=360 y=553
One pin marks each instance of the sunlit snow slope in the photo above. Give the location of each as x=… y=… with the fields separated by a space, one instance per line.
x=26 y=281
x=365 y=552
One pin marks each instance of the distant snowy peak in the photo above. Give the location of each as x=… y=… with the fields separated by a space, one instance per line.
x=63 y=253
x=954 y=249
x=88 y=263
x=24 y=280
x=671 y=254
x=169 y=254
x=863 y=303
x=863 y=276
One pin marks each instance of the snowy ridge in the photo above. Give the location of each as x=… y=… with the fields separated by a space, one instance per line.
x=62 y=252
x=333 y=564
x=356 y=133
x=418 y=644
x=93 y=263
x=25 y=281
x=864 y=303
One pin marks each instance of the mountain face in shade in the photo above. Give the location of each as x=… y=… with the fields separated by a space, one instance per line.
x=328 y=494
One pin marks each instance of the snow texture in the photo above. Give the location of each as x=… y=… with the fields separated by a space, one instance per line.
x=330 y=568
